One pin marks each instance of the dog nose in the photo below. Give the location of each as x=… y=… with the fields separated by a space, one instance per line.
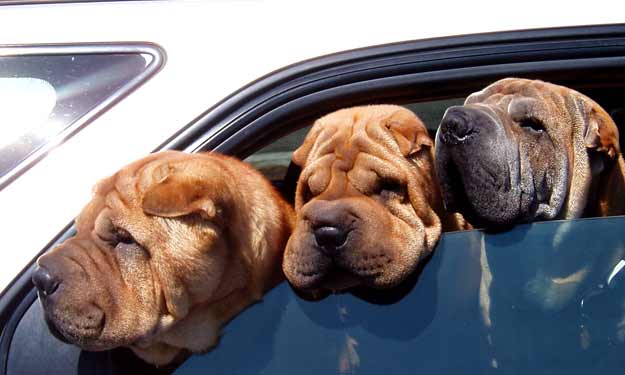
x=44 y=281
x=456 y=126
x=330 y=238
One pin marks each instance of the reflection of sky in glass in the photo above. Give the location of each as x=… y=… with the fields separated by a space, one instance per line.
x=43 y=95
x=26 y=104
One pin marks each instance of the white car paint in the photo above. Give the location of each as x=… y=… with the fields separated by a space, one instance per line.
x=213 y=48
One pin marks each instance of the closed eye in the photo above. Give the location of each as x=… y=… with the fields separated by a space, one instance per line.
x=117 y=236
x=123 y=236
x=532 y=124
x=391 y=185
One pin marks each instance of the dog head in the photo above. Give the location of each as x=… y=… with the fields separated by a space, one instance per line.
x=522 y=150
x=158 y=239
x=363 y=203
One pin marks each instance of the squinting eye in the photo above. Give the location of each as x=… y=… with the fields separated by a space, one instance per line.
x=392 y=186
x=116 y=236
x=532 y=124
x=123 y=236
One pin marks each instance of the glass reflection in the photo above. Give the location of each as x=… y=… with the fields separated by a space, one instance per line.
x=44 y=95
x=545 y=298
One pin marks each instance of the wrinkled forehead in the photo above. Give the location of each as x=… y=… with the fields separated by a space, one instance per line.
x=346 y=134
x=124 y=188
x=503 y=92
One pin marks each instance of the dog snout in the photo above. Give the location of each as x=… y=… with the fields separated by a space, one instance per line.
x=330 y=223
x=457 y=125
x=330 y=238
x=45 y=281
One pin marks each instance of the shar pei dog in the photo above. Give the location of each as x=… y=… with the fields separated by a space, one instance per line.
x=525 y=150
x=169 y=249
x=367 y=203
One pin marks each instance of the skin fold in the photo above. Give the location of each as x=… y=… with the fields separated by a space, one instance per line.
x=368 y=209
x=168 y=250
x=524 y=150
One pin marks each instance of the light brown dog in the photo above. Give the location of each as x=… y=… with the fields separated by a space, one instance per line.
x=523 y=150
x=367 y=202
x=169 y=249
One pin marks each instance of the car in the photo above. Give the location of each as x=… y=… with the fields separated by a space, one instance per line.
x=182 y=81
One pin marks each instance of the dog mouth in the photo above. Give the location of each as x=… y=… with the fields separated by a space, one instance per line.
x=83 y=331
x=489 y=194
x=340 y=275
x=332 y=281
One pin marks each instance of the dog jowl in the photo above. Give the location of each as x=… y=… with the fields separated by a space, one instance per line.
x=524 y=150
x=367 y=204
x=168 y=250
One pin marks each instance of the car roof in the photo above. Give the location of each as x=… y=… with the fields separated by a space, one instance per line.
x=213 y=48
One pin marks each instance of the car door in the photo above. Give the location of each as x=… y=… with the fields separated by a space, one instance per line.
x=475 y=307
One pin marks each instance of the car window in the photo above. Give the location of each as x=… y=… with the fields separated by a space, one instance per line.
x=48 y=96
x=508 y=302
x=273 y=159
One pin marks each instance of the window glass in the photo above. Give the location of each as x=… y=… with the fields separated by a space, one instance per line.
x=542 y=298
x=45 y=95
x=502 y=303
x=273 y=159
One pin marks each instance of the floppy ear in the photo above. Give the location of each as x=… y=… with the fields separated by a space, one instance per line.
x=178 y=195
x=409 y=133
x=300 y=155
x=601 y=132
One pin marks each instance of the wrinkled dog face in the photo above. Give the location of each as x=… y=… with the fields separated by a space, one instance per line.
x=363 y=201
x=135 y=266
x=518 y=151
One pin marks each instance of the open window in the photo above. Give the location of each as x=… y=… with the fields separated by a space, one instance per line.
x=508 y=302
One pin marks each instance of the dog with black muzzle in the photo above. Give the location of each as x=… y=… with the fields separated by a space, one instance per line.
x=521 y=151
x=368 y=208
x=524 y=150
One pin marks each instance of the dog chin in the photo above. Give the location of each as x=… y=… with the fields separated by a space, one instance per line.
x=338 y=281
x=87 y=338
x=333 y=282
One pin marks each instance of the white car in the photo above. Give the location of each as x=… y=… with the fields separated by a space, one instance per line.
x=88 y=87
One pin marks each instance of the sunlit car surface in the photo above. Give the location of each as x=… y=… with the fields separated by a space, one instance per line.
x=95 y=85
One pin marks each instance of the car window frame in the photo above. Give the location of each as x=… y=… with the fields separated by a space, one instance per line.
x=292 y=97
x=158 y=59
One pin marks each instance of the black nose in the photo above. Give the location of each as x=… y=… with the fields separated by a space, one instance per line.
x=330 y=238
x=44 y=281
x=456 y=126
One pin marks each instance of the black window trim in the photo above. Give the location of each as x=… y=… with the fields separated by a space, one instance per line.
x=158 y=59
x=332 y=81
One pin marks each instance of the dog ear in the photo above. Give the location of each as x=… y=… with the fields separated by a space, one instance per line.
x=601 y=131
x=409 y=133
x=178 y=195
x=300 y=155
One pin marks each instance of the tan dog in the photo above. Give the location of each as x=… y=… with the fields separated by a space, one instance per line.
x=169 y=249
x=367 y=203
x=523 y=150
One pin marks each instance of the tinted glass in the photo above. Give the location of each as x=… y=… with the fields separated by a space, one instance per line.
x=43 y=95
x=546 y=298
